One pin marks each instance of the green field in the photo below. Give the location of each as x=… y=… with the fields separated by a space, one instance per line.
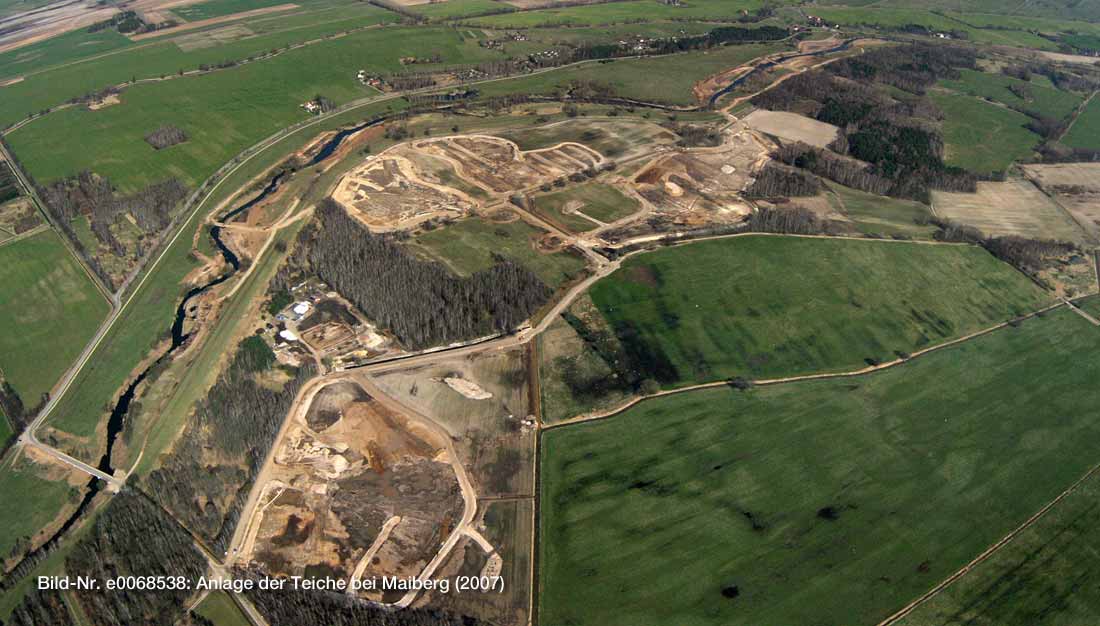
x=222 y=112
x=1047 y=101
x=147 y=316
x=220 y=609
x=50 y=310
x=49 y=85
x=65 y=48
x=764 y=306
x=635 y=78
x=826 y=502
x=1038 y=578
x=35 y=500
x=883 y=17
x=469 y=245
x=219 y=8
x=618 y=12
x=883 y=215
x=452 y=9
x=1085 y=132
x=596 y=200
x=982 y=137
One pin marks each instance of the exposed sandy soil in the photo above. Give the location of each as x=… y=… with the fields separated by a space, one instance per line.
x=792 y=127
x=1013 y=207
x=704 y=185
x=1076 y=186
x=214 y=20
x=815 y=45
x=11 y=81
x=387 y=194
x=449 y=177
x=345 y=469
x=489 y=434
x=499 y=166
x=109 y=100
x=1070 y=58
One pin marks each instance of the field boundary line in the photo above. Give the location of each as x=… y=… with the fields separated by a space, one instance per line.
x=24 y=180
x=990 y=551
x=584 y=418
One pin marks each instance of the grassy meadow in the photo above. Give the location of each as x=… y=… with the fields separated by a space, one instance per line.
x=148 y=312
x=596 y=200
x=636 y=78
x=222 y=112
x=220 y=609
x=982 y=137
x=883 y=215
x=1047 y=101
x=766 y=307
x=1038 y=578
x=49 y=309
x=619 y=12
x=1085 y=132
x=453 y=9
x=887 y=17
x=826 y=502
x=49 y=85
x=40 y=498
x=468 y=246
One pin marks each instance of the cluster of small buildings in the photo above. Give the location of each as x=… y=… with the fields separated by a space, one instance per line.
x=370 y=80
x=340 y=336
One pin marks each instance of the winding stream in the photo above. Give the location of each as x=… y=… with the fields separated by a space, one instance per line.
x=763 y=67
x=117 y=419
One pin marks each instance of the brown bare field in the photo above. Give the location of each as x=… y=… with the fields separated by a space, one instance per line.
x=1076 y=186
x=704 y=185
x=213 y=37
x=213 y=20
x=1013 y=207
x=1070 y=58
x=387 y=193
x=490 y=437
x=356 y=490
x=449 y=177
x=508 y=526
x=792 y=127
x=499 y=166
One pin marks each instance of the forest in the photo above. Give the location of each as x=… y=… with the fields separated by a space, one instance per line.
x=420 y=301
x=896 y=134
x=132 y=537
x=90 y=194
x=206 y=479
x=165 y=136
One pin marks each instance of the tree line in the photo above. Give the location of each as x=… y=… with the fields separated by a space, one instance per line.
x=206 y=479
x=420 y=301
x=896 y=135
x=131 y=537
x=93 y=195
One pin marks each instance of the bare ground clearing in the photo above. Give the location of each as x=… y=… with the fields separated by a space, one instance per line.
x=792 y=127
x=1013 y=207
